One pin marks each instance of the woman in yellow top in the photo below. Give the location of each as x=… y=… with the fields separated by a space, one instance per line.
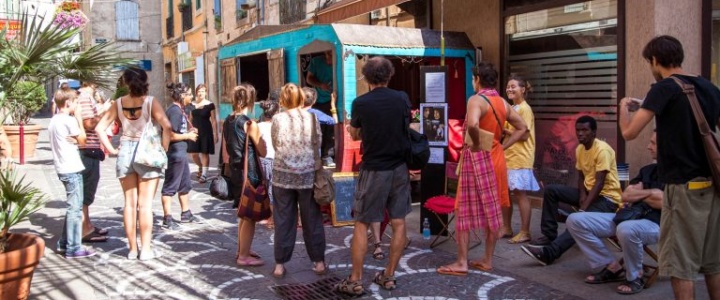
x=521 y=156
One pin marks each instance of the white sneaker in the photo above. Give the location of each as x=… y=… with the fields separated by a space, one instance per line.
x=132 y=255
x=153 y=254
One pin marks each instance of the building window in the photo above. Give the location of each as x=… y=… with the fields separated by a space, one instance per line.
x=198 y=5
x=569 y=55
x=170 y=8
x=239 y=12
x=127 y=23
x=217 y=13
x=292 y=11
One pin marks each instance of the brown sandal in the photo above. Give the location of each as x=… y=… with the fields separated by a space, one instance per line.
x=388 y=283
x=354 y=288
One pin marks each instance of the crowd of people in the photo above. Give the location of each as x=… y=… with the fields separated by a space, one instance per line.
x=672 y=201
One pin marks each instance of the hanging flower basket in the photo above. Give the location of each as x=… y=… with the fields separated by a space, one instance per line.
x=68 y=14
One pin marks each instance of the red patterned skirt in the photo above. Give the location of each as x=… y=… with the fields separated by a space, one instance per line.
x=478 y=202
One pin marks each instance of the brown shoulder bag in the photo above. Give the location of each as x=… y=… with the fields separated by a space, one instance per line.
x=710 y=138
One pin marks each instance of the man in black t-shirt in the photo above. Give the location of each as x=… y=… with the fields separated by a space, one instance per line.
x=689 y=235
x=378 y=119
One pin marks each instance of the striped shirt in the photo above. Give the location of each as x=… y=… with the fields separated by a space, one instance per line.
x=87 y=102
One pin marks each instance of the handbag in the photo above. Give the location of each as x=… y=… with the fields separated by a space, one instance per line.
x=631 y=212
x=150 y=151
x=323 y=184
x=254 y=201
x=709 y=138
x=220 y=186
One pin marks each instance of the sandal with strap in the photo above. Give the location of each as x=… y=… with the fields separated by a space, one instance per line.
x=635 y=286
x=606 y=275
x=349 y=287
x=378 y=255
x=388 y=283
x=520 y=238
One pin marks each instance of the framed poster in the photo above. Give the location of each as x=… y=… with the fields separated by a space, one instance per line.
x=433 y=123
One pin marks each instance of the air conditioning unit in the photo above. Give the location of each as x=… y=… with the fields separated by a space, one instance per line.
x=376 y=14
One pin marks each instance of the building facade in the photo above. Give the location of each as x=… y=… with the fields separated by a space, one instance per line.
x=132 y=25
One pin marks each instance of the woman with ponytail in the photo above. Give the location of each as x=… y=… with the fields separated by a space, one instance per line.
x=139 y=182
x=296 y=137
x=239 y=129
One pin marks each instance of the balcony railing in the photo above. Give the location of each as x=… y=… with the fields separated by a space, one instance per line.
x=169 y=26
x=187 y=19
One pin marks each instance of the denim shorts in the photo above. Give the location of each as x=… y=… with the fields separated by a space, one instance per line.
x=125 y=164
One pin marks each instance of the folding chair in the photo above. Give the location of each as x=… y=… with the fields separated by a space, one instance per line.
x=444 y=205
x=649 y=271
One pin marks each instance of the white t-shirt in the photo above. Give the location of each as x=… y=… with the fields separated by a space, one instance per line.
x=265 y=132
x=65 y=154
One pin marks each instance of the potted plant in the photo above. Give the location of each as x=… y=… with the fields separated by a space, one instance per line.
x=20 y=253
x=25 y=99
x=41 y=52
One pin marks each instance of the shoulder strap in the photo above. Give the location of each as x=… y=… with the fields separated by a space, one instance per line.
x=689 y=91
x=493 y=110
x=247 y=147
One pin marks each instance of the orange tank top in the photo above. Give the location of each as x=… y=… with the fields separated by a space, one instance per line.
x=489 y=122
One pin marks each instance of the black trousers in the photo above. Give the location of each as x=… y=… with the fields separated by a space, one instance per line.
x=285 y=213
x=555 y=194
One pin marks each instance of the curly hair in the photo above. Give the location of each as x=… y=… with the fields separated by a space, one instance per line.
x=270 y=108
x=136 y=80
x=378 y=70
x=487 y=74
x=176 y=90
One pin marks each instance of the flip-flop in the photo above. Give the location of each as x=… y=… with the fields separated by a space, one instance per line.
x=249 y=262
x=94 y=237
x=445 y=270
x=100 y=231
x=479 y=266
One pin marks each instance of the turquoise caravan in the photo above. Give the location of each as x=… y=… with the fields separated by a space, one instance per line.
x=271 y=55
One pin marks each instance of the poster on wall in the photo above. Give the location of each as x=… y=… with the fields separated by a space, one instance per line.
x=433 y=121
x=435 y=87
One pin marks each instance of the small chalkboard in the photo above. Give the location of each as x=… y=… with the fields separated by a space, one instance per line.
x=342 y=207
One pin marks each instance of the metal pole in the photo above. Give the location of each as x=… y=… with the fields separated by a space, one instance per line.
x=22 y=143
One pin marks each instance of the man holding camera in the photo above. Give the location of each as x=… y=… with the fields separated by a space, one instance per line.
x=635 y=225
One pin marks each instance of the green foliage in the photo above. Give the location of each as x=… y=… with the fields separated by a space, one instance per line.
x=43 y=51
x=18 y=200
x=26 y=98
x=120 y=91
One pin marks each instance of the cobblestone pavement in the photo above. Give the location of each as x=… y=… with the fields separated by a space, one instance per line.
x=198 y=260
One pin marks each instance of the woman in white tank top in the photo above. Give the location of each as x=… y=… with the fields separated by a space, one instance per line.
x=133 y=112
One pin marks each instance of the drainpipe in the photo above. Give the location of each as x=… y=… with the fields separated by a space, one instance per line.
x=262 y=12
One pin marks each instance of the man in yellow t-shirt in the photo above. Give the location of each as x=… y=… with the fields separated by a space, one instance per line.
x=598 y=190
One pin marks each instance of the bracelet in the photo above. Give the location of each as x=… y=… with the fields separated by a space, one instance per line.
x=333 y=111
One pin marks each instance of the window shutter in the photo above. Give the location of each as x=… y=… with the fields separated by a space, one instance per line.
x=127 y=26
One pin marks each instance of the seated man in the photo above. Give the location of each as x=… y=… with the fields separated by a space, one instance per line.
x=598 y=191
x=590 y=228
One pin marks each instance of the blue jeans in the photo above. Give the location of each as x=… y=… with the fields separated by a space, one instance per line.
x=553 y=195
x=72 y=230
x=590 y=228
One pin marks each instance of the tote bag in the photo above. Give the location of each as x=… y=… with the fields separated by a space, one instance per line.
x=149 y=151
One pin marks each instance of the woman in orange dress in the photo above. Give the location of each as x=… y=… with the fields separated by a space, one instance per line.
x=483 y=177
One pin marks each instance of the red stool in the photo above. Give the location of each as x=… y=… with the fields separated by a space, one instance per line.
x=445 y=205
